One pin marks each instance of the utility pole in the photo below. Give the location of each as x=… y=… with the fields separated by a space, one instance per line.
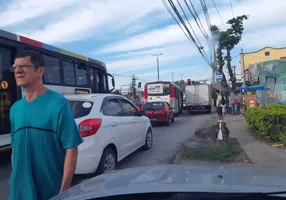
x=243 y=69
x=214 y=63
x=134 y=87
x=157 y=55
x=181 y=76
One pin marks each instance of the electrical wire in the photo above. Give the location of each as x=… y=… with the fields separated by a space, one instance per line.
x=189 y=34
x=197 y=18
x=219 y=14
x=199 y=24
x=231 y=8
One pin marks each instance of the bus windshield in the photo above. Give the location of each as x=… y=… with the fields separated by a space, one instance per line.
x=158 y=88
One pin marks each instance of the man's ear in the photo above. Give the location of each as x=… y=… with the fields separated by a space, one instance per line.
x=41 y=71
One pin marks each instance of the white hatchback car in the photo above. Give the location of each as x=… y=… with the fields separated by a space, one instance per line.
x=112 y=127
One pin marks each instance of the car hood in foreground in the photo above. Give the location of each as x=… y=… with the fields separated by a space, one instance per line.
x=178 y=178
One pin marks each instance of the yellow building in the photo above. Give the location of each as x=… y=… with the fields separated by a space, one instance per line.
x=262 y=55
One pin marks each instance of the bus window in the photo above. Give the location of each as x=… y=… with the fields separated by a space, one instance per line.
x=94 y=78
x=8 y=90
x=81 y=75
x=52 y=69
x=104 y=81
x=69 y=76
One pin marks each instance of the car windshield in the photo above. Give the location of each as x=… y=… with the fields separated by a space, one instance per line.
x=146 y=82
x=153 y=106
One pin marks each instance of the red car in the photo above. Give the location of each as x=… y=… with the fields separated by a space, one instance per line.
x=159 y=112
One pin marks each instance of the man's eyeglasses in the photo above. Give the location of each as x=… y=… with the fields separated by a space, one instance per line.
x=22 y=67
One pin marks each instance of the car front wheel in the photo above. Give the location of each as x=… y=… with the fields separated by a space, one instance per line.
x=148 y=140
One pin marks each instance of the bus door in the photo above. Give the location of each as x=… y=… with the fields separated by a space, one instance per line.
x=8 y=92
x=94 y=78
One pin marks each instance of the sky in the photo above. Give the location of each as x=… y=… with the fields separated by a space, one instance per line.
x=125 y=34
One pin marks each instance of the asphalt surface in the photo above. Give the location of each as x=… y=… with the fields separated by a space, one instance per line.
x=166 y=141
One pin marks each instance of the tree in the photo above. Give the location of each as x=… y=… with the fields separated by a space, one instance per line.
x=230 y=38
x=227 y=40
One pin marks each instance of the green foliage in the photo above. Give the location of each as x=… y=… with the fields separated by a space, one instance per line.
x=268 y=122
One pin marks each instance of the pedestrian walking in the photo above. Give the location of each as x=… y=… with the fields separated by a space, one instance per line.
x=44 y=135
x=237 y=105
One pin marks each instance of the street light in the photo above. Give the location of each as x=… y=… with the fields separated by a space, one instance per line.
x=157 y=55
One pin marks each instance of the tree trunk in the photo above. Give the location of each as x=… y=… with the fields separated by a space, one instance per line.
x=228 y=59
x=221 y=64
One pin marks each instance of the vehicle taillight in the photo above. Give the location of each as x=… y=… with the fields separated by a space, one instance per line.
x=89 y=127
x=145 y=92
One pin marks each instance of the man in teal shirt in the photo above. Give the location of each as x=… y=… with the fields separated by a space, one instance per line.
x=44 y=135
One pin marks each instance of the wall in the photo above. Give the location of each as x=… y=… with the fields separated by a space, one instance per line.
x=272 y=75
x=251 y=58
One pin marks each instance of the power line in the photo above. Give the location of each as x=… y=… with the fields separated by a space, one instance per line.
x=219 y=14
x=188 y=34
x=231 y=8
x=196 y=18
x=199 y=24
x=189 y=23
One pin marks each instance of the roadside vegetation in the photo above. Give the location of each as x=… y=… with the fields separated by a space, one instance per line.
x=268 y=122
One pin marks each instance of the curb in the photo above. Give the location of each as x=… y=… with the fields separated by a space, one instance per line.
x=177 y=159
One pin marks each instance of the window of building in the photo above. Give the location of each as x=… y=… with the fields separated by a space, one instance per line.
x=52 y=69
x=267 y=53
x=69 y=76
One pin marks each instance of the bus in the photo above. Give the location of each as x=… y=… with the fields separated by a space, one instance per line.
x=65 y=72
x=164 y=91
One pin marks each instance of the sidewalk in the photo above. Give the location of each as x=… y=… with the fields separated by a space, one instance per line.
x=261 y=155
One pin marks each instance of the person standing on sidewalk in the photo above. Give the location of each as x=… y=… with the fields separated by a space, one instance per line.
x=219 y=105
x=231 y=103
x=237 y=105
x=44 y=135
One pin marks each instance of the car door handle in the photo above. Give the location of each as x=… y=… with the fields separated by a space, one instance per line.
x=133 y=121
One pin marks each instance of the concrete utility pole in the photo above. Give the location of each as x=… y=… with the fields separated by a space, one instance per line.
x=181 y=76
x=157 y=55
x=242 y=64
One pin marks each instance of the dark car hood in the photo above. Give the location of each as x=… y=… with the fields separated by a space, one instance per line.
x=178 y=178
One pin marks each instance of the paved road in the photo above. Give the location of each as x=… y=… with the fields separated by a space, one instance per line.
x=166 y=142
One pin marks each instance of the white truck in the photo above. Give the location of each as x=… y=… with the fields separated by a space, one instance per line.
x=198 y=98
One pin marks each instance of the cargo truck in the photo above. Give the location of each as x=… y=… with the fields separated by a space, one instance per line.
x=198 y=98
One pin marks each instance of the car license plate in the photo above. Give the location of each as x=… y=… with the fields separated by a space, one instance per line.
x=154 y=119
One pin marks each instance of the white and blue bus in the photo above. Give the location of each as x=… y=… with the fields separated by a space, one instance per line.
x=65 y=72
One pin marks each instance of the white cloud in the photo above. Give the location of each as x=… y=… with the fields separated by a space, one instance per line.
x=96 y=17
x=22 y=10
x=172 y=34
x=145 y=59
x=274 y=37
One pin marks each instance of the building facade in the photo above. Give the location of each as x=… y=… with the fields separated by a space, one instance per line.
x=266 y=54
